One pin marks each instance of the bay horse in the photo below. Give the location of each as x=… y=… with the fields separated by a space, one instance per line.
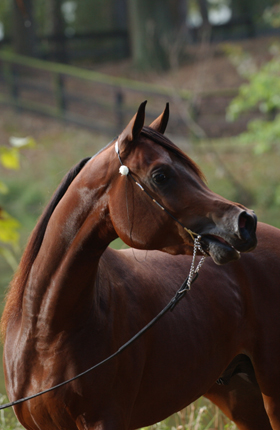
x=74 y=301
x=240 y=397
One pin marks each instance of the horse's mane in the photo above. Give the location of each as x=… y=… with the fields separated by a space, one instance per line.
x=15 y=293
x=162 y=140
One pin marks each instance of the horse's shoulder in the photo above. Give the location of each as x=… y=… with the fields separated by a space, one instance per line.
x=268 y=237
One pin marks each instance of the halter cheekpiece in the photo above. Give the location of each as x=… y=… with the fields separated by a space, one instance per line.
x=124 y=170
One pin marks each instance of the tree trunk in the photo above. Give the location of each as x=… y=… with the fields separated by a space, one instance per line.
x=120 y=23
x=23 y=27
x=203 y=7
x=157 y=30
x=120 y=18
x=205 y=31
x=57 y=31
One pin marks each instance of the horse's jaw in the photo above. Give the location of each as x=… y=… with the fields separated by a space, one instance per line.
x=221 y=253
x=226 y=244
x=222 y=250
x=219 y=250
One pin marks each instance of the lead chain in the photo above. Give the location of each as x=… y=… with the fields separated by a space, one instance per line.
x=194 y=270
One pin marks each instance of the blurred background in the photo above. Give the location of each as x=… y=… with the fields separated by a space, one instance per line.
x=73 y=73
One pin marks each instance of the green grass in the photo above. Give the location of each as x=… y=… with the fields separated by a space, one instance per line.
x=232 y=170
x=8 y=420
x=200 y=415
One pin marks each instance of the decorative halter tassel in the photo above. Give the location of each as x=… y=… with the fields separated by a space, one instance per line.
x=124 y=170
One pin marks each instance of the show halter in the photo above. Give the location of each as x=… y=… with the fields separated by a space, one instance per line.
x=124 y=170
x=193 y=274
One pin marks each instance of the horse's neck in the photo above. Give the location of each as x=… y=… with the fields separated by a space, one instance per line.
x=60 y=287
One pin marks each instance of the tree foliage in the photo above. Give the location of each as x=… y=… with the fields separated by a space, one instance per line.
x=9 y=226
x=261 y=93
x=158 y=33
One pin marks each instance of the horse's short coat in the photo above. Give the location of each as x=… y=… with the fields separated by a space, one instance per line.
x=74 y=301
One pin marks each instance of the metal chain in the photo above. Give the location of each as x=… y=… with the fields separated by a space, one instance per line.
x=124 y=170
x=170 y=306
x=194 y=270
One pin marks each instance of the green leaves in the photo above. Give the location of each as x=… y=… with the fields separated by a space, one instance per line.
x=9 y=226
x=264 y=134
x=9 y=157
x=261 y=94
x=8 y=255
x=9 y=238
x=3 y=188
x=8 y=229
x=8 y=421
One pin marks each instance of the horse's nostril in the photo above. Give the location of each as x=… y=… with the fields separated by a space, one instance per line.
x=246 y=224
x=242 y=221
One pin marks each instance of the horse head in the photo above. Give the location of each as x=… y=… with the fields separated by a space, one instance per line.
x=185 y=207
x=71 y=299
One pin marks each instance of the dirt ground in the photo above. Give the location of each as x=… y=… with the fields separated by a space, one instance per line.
x=207 y=68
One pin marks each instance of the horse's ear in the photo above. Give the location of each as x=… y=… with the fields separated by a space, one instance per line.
x=160 y=123
x=133 y=129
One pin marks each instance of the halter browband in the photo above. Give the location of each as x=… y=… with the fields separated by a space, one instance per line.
x=124 y=170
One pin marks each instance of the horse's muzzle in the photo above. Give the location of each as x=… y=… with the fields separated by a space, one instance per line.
x=247 y=225
x=224 y=243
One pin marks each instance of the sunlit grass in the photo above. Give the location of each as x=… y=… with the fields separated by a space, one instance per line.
x=8 y=420
x=200 y=415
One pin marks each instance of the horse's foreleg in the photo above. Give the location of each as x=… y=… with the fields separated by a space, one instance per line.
x=241 y=401
x=267 y=370
x=272 y=406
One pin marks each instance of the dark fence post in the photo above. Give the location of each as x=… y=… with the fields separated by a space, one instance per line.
x=59 y=93
x=10 y=73
x=119 y=104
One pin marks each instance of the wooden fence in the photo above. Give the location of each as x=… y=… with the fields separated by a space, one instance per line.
x=105 y=103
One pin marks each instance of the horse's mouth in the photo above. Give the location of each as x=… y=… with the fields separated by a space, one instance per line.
x=219 y=249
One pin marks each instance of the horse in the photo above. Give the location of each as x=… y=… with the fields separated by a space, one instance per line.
x=249 y=389
x=74 y=301
x=239 y=396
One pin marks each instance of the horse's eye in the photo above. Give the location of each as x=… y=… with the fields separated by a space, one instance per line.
x=159 y=178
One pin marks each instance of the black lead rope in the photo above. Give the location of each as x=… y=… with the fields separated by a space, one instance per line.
x=170 y=306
